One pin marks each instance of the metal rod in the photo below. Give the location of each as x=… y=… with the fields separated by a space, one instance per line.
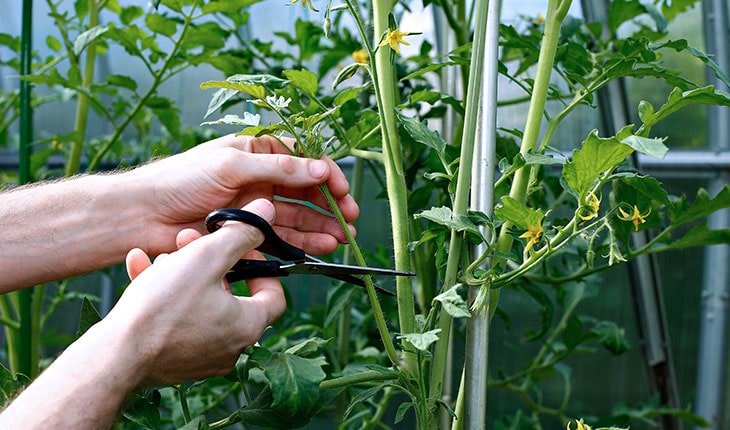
x=713 y=354
x=482 y=199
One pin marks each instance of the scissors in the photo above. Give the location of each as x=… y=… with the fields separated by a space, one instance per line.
x=295 y=260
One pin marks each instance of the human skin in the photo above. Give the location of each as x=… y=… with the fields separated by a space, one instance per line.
x=71 y=227
x=177 y=320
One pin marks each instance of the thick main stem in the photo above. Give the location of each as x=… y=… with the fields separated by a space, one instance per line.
x=82 y=107
x=396 y=184
x=461 y=200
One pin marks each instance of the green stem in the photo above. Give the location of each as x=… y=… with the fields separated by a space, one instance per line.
x=23 y=341
x=383 y=75
x=461 y=198
x=367 y=155
x=380 y=410
x=458 y=422
x=157 y=80
x=183 y=403
x=82 y=106
x=369 y=287
x=358 y=378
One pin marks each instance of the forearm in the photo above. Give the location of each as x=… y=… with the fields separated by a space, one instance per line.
x=66 y=228
x=84 y=388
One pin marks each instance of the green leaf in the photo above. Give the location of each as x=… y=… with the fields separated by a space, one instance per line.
x=11 y=42
x=421 y=341
x=401 y=412
x=346 y=73
x=678 y=100
x=444 y=216
x=87 y=317
x=420 y=132
x=197 y=423
x=596 y=156
x=337 y=299
x=621 y=11
x=129 y=14
x=122 y=81
x=650 y=146
x=227 y=6
x=88 y=36
x=648 y=187
x=611 y=336
x=260 y=413
x=248 y=120
x=304 y=80
x=10 y=385
x=260 y=130
x=347 y=94
x=161 y=24
x=362 y=396
x=53 y=43
x=672 y=8
x=143 y=409
x=428 y=69
x=518 y=214
x=256 y=91
x=308 y=347
x=700 y=236
x=294 y=380
x=701 y=207
x=680 y=45
x=219 y=99
x=453 y=303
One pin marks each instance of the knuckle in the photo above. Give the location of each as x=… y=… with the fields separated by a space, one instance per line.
x=286 y=164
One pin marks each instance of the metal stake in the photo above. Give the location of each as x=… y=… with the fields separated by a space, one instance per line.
x=713 y=354
x=482 y=199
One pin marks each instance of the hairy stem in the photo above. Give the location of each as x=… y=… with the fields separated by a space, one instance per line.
x=370 y=288
x=383 y=74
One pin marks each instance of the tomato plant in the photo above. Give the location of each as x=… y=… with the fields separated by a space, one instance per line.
x=560 y=218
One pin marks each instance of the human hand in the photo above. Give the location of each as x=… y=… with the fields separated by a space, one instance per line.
x=187 y=323
x=232 y=171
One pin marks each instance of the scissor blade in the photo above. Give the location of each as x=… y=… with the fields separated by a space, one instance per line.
x=332 y=269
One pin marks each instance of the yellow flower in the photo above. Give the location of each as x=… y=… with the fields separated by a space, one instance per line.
x=305 y=3
x=590 y=209
x=539 y=19
x=637 y=218
x=360 y=56
x=533 y=233
x=580 y=424
x=394 y=38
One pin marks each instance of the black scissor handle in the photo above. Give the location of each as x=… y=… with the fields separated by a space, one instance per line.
x=250 y=269
x=273 y=244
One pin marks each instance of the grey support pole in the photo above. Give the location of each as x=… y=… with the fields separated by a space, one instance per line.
x=482 y=199
x=713 y=354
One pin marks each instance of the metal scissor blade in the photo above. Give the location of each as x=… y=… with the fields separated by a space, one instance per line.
x=332 y=269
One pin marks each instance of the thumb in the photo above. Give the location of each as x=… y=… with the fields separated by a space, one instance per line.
x=232 y=241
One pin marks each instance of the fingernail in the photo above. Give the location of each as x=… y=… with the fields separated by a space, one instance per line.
x=317 y=168
x=263 y=208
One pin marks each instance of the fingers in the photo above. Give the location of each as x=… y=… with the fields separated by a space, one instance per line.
x=267 y=298
x=137 y=261
x=304 y=219
x=223 y=248
x=186 y=236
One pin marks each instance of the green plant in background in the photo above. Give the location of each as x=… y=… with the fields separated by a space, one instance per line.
x=561 y=217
